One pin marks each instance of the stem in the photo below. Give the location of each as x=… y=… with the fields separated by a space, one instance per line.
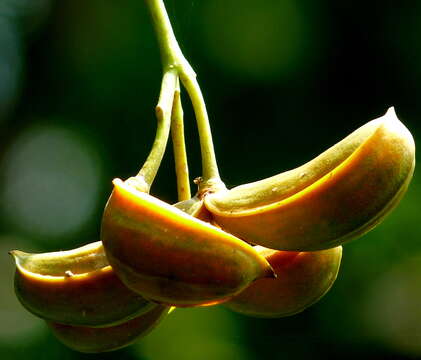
x=173 y=58
x=210 y=170
x=179 y=146
x=163 y=110
x=168 y=45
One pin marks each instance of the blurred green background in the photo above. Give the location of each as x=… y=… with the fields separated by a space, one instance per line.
x=283 y=81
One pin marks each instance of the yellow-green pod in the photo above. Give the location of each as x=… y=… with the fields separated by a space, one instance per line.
x=171 y=257
x=96 y=340
x=340 y=195
x=76 y=287
x=302 y=279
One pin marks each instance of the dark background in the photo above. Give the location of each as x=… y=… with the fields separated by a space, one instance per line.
x=283 y=81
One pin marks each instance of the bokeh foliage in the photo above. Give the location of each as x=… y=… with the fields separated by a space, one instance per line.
x=283 y=81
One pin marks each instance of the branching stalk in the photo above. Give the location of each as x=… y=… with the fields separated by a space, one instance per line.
x=173 y=59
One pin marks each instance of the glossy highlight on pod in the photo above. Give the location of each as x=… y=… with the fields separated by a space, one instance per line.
x=171 y=257
x=340 y=195
x=75 y=287
x=302 y=279
x=199 y=252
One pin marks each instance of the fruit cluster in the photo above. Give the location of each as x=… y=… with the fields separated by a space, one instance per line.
x=268 y=249
x=153 y=256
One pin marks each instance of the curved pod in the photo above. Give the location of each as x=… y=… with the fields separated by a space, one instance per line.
x=338 y=196
x=302 y=279
x=95 y=340
x=171 y=257
x=76 y=287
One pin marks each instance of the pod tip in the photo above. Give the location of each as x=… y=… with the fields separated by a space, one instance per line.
x=13 y=253
x=395 y=126
x=117 y=182
x=391 y=113
x=137 y=182
x=17 y=254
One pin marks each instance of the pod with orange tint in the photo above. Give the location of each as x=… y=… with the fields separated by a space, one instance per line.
x=302 y=279
x=94 y=340
x=76 y=287
x=338 y=196
x=171 y=257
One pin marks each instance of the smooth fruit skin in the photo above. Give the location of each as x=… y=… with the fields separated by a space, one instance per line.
x=169 y=256
x=338 y=196
x=302 y=279
x=76 y=287
x=96 y=340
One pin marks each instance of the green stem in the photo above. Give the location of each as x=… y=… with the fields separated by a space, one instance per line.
x=147 y=173
x=170 y=50
x=173 y=58
x=211 y=179
x=179 y=146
